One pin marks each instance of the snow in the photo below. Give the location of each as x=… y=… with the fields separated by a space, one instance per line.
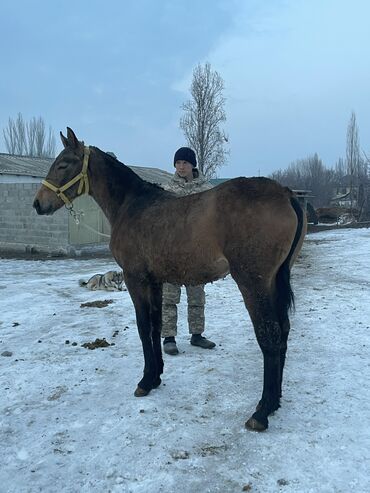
x=69 y=421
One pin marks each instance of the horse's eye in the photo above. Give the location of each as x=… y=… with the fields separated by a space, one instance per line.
x=62 y=166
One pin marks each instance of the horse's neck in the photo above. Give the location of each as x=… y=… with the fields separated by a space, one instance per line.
x=111 y=183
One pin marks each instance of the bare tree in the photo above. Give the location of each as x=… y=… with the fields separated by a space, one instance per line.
x=203 y=116
x=15 y=136
x=353 y=156
x=364 y=190
x=366 y=165
x=309 y=174
x=29 y=138
x=340 y=168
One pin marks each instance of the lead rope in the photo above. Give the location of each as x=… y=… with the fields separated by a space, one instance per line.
x=77 y=216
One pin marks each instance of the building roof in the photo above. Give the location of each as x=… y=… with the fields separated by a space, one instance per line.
x=24 y=166
x=153 y=175
x=39 y=167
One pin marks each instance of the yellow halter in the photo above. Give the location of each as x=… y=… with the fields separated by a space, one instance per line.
x=82 y=176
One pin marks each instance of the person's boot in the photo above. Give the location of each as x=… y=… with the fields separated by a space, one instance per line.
x=200 y=341
x=169 y=346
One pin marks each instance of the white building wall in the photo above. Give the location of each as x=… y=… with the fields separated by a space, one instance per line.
x=21 y=229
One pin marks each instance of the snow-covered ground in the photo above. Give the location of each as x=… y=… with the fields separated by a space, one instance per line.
x=69 y=421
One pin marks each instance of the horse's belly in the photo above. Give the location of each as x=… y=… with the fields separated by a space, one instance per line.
x=197 y=272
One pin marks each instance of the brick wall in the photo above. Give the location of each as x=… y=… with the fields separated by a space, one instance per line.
x=21 y=229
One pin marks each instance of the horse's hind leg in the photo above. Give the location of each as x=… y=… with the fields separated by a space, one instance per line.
x=261 y=308
x=285 y=328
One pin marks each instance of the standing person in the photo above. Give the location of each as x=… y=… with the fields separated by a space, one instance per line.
x=185 y=181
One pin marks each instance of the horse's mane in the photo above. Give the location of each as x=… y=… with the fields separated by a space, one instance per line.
x=121 y=172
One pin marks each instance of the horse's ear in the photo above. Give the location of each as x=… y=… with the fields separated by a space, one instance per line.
x=72 y=139
x=64 y=140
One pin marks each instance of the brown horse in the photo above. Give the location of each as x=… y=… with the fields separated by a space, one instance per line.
x=250 y=227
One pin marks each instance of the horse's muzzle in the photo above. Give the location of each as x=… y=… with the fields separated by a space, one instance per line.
x=41 y=210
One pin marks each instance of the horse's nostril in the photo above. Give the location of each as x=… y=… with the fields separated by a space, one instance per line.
x=36 y=205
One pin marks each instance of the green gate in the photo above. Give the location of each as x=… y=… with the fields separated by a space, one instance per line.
x=92 y=226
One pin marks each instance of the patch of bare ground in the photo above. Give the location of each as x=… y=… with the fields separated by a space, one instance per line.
x=96 y=304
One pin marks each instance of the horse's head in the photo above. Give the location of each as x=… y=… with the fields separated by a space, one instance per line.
x=66 y=178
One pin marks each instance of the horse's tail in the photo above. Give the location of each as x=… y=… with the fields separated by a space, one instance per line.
x=285 y=296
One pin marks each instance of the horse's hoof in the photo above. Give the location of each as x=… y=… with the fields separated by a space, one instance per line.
x=254 y=425
x=139 y=392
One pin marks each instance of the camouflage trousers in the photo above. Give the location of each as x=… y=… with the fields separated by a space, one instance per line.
x=196 y=302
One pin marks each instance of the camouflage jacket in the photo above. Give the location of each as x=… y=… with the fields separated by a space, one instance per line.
x=180 y=186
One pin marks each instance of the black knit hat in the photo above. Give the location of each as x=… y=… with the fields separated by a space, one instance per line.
x=185 y=154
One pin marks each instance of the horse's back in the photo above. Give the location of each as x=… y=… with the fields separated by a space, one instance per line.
x=252 y=189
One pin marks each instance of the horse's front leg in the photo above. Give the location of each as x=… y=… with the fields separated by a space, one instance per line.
x=156 y=319
x=140 y=293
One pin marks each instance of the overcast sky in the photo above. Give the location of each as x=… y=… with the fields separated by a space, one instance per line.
x=117 y=73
